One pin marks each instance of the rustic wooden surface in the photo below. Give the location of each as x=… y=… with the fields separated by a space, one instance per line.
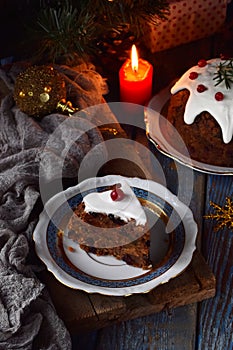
x=201 y=326
x=215 y=326
x=205 y=325
x=84 y=312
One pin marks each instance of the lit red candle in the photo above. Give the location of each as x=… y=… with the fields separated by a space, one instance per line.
x=136 y=76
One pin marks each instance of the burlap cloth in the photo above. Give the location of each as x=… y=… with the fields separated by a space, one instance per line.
x=28 y=319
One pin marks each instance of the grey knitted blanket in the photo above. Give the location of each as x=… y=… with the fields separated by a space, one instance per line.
x=28 y=319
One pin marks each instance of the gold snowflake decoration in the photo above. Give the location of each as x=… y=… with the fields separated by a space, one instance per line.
x=223 y=215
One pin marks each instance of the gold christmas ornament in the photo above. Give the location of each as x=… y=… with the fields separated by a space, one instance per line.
x=223 y=215
x=40 y=90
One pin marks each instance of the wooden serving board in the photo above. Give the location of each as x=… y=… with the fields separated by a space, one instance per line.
x=81 y=311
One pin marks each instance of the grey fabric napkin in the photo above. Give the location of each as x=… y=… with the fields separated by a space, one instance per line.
x=32 y=150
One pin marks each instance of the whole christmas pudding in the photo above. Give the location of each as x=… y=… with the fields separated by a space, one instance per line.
x=201 y=110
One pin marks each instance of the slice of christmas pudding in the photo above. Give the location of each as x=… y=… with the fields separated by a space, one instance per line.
x=113 y=222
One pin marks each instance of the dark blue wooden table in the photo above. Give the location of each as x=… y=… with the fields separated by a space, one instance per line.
x=202 y=325
x=197 y=325
x=205 y=325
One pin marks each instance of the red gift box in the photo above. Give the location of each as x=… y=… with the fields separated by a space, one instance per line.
x=188 y=21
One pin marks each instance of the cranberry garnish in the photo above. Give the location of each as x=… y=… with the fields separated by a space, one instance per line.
x=219 y=96
x=193 y=75
x=114 y=195
x=117 y=194
x=201 y=88
x=202 y=63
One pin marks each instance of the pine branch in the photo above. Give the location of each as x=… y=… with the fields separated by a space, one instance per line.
x=70 y=26
x=130 y=13
x=224 y=73
x=63 y=30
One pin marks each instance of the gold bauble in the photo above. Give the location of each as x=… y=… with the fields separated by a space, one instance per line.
x=38 y=90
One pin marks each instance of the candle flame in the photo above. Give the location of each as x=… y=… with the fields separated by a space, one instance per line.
x=134 y=59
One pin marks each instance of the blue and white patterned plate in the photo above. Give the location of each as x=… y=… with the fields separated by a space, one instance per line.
x=173 y=236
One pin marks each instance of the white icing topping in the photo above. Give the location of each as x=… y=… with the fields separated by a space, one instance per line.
x=198 y=102
x=127 y=208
